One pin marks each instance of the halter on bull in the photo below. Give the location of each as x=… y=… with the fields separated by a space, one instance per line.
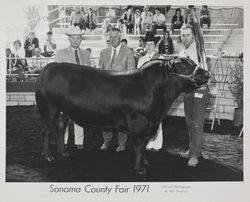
x=133 y=102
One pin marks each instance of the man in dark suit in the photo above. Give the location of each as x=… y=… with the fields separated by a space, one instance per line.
x=74 y=54
x=118 y=58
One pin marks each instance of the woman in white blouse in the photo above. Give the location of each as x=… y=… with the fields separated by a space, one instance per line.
x=18 y=52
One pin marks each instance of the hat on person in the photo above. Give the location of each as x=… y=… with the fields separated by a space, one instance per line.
x=73 y=31
x=151 y=37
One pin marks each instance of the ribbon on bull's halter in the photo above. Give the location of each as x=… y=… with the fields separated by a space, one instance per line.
x=200 y=44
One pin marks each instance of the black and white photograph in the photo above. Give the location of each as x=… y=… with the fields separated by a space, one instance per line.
x=124 y=99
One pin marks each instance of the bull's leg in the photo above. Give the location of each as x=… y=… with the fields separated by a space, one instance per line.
x=61 y=125
x=46 y=133
x=140 y=147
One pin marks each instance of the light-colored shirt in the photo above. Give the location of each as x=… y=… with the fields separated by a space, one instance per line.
x=190 y=52
x=146 y=58
x=117 y=51
x=18 y=53
x=49 y=47
x=159 y=19
x=147 y=17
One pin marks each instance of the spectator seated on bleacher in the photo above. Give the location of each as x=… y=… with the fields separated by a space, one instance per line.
x=30 y=44
x=166 y=44
x=91 y=20
x=177 y=20
x=18 y=52
x=159 y=21
x=188 y=13
x=128 y=19
x=122 y=27
x=106 y=27
x=205 y=17
x=37 y=62
x=49 y=45
x=9 y=59
x=137 y=22
x=77 y=18
x=147 y=20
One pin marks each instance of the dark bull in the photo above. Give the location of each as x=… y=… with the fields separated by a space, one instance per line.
x=133 y=102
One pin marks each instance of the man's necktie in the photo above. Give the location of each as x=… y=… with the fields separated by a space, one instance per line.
x=114 y=58
x=77 y=57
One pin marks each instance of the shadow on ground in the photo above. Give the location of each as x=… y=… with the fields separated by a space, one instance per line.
x=24 y=164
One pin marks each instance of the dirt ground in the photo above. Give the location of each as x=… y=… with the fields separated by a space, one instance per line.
x=24 y=163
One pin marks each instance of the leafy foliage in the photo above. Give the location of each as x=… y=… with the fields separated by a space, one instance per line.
x=236 y=83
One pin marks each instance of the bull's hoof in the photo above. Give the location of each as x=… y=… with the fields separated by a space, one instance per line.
x=64 y=154
x=48 y=157
x=141 y=171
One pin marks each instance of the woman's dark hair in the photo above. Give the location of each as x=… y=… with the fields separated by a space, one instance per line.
x=129 y=7
x=177 y=9
x=17 y=41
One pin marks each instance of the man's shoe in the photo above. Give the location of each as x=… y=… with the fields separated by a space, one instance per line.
x=79 y=147
x=104 y=147
x=193 y=161
x=185 y=154
x=120 y=148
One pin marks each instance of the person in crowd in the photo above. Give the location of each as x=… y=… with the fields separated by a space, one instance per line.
x=9 y=61
x=128 y=19
x=18 y=52
x=195 y=102
x=150 y=40
x=122 y=27
x=159 y=21
x=37 y=63
x=117 y=58
x=189 y=13
x=142 y=43
x=77 y=18
x=177 y=20
x=137 y=22
x=106 y=27
x=205 y=16
x=74 y=54
x=92 y=60
x=49 y=45
x=166 y=44
x=147 y=20
x=91 y=20
x=30 y=44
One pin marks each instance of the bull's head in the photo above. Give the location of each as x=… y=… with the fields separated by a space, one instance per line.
x=187 y=67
